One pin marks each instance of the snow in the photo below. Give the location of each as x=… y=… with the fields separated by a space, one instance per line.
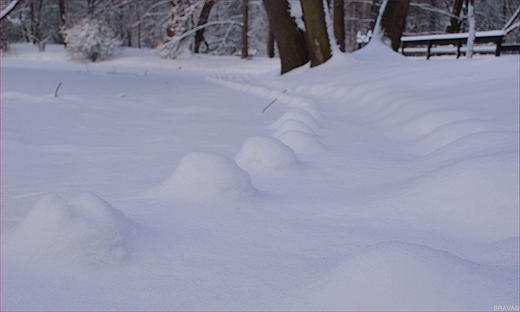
x=373 y=182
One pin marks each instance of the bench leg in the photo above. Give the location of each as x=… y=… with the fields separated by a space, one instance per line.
x=499 y=46
x=428 y=51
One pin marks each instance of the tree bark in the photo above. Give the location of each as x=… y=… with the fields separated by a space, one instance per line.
x=245 y=13
x=290 y=40
x=393 y=20
x=316 y=32
x=203 y=19
x=339 y=23
x=454 y=26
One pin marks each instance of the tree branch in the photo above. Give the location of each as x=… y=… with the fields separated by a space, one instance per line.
x=431 y=8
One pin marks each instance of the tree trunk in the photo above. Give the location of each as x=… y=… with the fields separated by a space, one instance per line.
x=290 y=40
x=316 y=32
x=244 y=28
x=36 y=21
x=270 y=43
x=454 y=26
x=203 y=19
x=90 y=7
x=62 y=21
x=393 y=20
x=339 y=24
x=471 y=33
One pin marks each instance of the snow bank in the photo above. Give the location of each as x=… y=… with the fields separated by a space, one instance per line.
x=474 y=198
x=86 y=231
x=206 y=177
x=404 y=276
x=262 y=152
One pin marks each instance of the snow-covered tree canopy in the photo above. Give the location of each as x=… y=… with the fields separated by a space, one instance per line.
x=91 y=39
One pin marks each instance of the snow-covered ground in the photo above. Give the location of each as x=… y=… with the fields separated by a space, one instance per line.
x=372 y=182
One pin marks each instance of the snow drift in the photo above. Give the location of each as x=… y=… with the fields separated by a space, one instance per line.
x=404 y=276
x=86 y=231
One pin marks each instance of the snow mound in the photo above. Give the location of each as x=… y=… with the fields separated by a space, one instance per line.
x=86 y=231
x=265 y=152
x=301 y=142
x=293 y=125
x=311 y=109
x=298 y=115
x=377 y=51
x=203 y=177
x=402 y=276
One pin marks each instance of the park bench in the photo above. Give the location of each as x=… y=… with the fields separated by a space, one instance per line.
x=452 y=43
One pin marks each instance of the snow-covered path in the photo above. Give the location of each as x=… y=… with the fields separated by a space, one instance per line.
x=372 y=182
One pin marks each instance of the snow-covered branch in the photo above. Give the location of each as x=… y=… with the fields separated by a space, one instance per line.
x=172 y=44
x=509 y=25
x=430 y=8
x=8 y=8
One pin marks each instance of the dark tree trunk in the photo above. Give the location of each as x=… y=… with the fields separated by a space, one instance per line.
x=36 y=21
x=339 y=23
x=139 y=36
x=270 y=43
x=62 y=21
x=62 y=12
x=393 y=20
x=203 y=19
x=90 y=7
x=454 y=26
x=290 y=40
x=316 y=31
x=244 y=28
